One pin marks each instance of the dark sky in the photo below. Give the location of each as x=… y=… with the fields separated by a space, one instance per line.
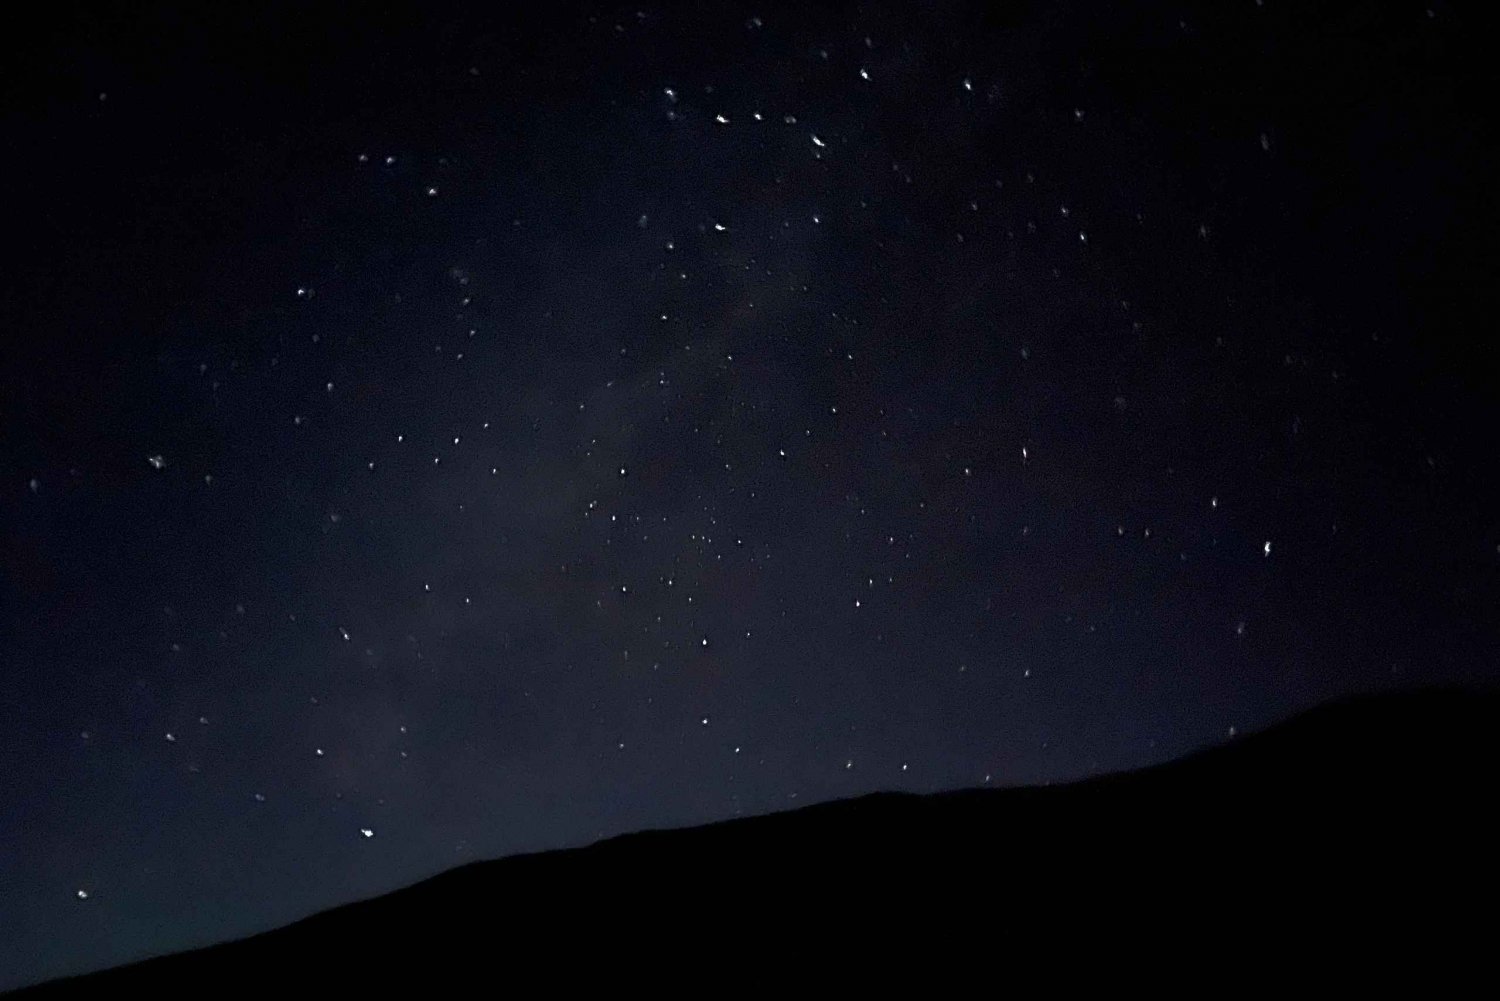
x=448 y=432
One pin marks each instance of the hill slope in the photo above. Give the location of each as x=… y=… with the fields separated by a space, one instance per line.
x=1359 y=833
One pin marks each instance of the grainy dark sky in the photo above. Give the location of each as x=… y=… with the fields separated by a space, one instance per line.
x=448 y=432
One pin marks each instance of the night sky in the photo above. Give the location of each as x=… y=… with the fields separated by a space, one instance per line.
x=436 y=434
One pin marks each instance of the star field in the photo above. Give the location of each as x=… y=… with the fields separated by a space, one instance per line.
x=462 y=433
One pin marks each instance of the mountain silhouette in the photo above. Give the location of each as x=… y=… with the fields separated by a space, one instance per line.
x=1355 y=841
